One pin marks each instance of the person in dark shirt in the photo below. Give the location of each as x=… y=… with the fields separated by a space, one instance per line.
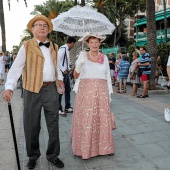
x=112 y=61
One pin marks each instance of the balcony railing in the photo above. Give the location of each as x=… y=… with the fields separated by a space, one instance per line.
x=158 y=33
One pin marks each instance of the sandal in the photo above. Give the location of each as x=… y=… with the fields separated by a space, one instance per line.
x=140 y=96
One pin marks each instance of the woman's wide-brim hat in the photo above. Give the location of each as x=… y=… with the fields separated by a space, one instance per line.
x=88 y=35
x=40 y=17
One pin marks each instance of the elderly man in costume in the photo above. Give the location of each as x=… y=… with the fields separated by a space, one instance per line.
x=37 y=61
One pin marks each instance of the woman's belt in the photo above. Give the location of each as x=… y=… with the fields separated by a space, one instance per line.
x=47 y=83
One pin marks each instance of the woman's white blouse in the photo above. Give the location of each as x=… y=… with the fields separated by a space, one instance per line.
x=92 y=70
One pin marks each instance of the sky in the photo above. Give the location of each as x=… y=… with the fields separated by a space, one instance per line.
x=16 y=20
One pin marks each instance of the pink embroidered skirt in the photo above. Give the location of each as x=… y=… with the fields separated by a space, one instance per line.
x=92 y=122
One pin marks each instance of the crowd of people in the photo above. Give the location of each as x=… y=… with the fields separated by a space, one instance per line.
x=136 y=72
x=45 y=70
x=6 y=61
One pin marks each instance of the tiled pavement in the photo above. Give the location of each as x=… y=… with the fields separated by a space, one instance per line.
x=142 y=137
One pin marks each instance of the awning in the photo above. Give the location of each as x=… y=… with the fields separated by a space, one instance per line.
x=158 y=16
x=141 y=43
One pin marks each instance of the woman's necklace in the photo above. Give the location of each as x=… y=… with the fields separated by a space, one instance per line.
x=93 y=58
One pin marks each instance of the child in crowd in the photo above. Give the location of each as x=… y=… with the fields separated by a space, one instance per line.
x=123 y=70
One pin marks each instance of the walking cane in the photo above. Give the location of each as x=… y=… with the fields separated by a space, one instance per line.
x=14 y=136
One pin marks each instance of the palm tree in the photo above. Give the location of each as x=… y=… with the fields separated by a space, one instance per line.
x=83 y=3
x=151 y=38
x=2 y=23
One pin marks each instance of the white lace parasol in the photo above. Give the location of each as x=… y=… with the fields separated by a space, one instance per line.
x=78 y=20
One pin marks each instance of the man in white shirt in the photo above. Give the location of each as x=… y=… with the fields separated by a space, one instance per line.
x=64 y=65
x=37 y=59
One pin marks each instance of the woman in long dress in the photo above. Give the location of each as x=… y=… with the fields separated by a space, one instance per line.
x=93 y=121
x=2 y=68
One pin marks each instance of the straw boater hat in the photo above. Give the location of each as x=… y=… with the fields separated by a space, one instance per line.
x=40 y=17
x=88 y=35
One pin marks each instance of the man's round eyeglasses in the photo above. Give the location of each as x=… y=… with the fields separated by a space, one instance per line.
x=41 y=25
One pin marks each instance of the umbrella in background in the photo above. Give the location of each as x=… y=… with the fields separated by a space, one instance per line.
x=78 y=20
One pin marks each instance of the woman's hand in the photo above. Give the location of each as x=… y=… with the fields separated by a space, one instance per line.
x=79 y=65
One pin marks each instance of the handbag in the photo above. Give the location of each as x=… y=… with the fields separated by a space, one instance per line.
x=139 y=72
x=166 y=115
x=132 y=77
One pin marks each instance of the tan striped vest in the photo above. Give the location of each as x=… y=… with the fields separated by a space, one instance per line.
x=33 y=70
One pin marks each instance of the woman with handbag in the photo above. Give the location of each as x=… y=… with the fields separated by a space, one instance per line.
x=93 y=121
x=134 y=78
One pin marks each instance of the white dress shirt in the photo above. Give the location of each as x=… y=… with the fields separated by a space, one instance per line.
x=61 y=53
x=92 y=70
x=19 y=63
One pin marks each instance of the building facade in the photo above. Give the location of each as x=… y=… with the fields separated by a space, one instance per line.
x=129 y=22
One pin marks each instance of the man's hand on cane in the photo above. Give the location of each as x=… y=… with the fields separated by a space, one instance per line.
x=7 y=95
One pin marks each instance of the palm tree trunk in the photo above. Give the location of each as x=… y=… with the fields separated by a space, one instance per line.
x=82 y=2
x=151 y=36
x=75 y=2
x=2 y=25
x=165 y=21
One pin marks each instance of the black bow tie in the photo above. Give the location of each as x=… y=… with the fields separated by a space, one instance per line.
x=45 y=44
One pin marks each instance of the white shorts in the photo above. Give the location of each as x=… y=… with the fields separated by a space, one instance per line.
x=112 y=72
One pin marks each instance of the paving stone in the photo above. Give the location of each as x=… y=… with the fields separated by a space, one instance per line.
x=151 y=150
x=142 y=165
x=128 y=154
x=100 y=161
x=142 y=138
x=143 y=128
x=162 y=162
x=65 y=149
x=125 y=130
x=72 y=163
x=164 y=144
x=7 y=156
